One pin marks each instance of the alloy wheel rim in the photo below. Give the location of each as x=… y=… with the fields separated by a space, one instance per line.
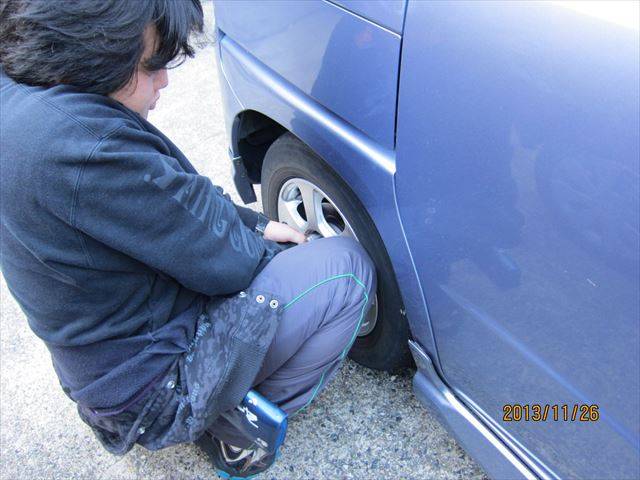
x=306 y=208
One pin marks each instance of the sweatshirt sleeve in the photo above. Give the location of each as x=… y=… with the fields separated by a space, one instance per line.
x=248 y=216
x=135 y=198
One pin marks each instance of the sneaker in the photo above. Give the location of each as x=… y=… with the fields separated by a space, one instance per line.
x=234 y=463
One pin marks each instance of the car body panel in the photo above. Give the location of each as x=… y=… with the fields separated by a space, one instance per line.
x=517 y=180
x=385 y=13
x=510 y=201
x=313 y=45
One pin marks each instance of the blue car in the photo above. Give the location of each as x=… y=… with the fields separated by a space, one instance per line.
x=487 y=157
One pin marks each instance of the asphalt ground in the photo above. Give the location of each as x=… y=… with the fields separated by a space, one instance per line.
x=366 y=424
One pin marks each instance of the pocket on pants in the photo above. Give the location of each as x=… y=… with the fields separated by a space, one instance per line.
x=230 y=344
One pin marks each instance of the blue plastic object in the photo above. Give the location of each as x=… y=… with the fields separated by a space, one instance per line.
x=260 y=421
x=226 y=476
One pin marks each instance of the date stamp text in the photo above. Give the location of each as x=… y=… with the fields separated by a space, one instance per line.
x=536 y=412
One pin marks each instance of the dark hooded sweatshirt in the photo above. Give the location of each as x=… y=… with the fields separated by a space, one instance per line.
x=111 y=242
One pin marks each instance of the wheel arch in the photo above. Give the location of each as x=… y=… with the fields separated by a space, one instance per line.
x=252 y=133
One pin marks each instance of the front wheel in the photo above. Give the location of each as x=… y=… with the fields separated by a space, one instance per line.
x=301 y=190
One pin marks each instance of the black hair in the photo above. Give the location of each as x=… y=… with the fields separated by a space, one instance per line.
x=95 y=45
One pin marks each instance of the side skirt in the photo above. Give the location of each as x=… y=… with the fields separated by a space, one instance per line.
x=476 y=438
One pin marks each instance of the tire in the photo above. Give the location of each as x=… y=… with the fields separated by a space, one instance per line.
x=287 y=160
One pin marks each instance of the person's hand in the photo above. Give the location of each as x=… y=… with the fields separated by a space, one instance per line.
x=281 y=232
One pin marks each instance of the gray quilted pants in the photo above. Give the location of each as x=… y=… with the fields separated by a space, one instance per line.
x=328 y=285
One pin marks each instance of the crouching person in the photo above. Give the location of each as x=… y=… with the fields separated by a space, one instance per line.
x=161 y=301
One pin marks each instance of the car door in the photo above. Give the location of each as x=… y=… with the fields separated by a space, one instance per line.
x=517 y=184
